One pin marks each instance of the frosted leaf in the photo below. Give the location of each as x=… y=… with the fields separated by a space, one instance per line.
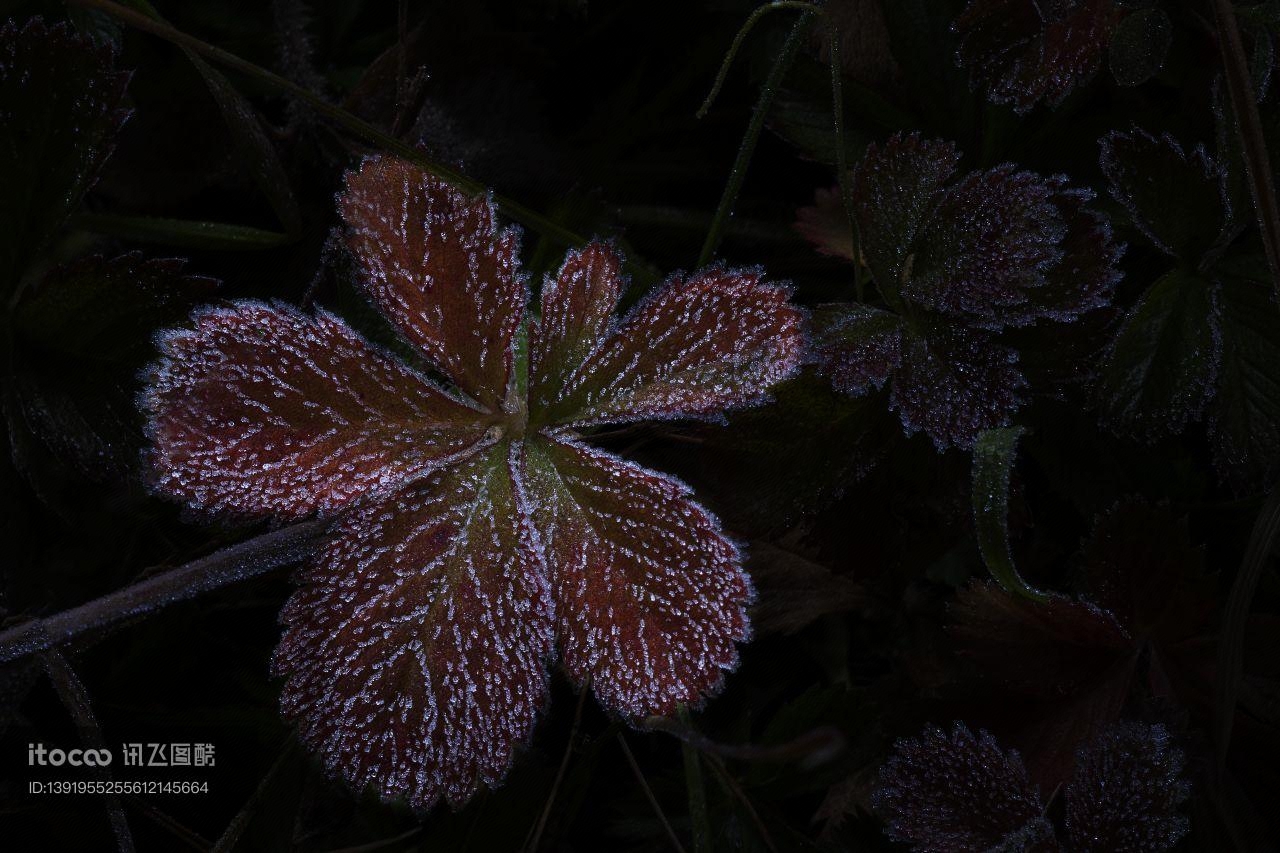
x=859 y=347
x=266 y=410
x=959 y=793
x=416 y=646
x=1085 y=278
x=694 y=347
x=1026 y=51
x=60 y=110
x=1177 y=199
x=955 y=383
x=896 y=189
x=987 y=247
x=1161 y=369
x=1125 y=794
x=650 y=594
x=577 y=314
x=436 y=267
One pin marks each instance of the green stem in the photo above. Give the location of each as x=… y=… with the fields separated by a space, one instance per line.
x=696 y=788
x=745 y=151
x=842 y=153
x=739 y=38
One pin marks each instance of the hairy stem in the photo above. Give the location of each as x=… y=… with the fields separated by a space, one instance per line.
x=748 y=147
x=239 y=562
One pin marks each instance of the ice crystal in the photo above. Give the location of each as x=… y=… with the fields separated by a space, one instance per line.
x=1026 y=51
x=478 y=532
x=958 y=260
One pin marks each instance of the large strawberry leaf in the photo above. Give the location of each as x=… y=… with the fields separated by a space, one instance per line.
x=59 y=113
x=435 y=265
x=957 y=792
x=263 y=409
x=695 y=346
x=416 y=647
x=1160 y=370
x=650 y=594
x=858 y=346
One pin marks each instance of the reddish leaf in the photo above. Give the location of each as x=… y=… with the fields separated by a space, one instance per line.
x=415 y=648
x=1085 y=278
x=437 y=268
x=264 y=410
x=1025 y=51
x=694 y=347
x=1055 y=648
x=650 y=594
x=1126 y=791
x=826 y=225
x=577 y=315
x=959 y=793
x=857 y=346
x=896 y=189
x=954 y=384
x=987 y=248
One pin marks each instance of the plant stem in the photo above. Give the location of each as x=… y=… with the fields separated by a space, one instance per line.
x=696 y=788
x=1253 y=143
x=842 y=153
x=354 y=124
x=747 y=26
x=531 y=843
x=648 y=793
x=1231 y=640
x=239 y=562
x=745 y=151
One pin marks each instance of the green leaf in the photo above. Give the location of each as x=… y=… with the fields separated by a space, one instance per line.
x=1139 y=46
x=1245 y=416
x=218 y=236
x=59 y=113
x=993 y=458
x=1160 y=370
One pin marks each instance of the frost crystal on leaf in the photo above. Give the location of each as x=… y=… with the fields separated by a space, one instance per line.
x=957 y=792
x=1026 y=51
x=478 y=531
x=957 y=262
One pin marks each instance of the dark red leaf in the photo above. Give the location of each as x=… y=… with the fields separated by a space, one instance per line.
x=576 y=317
x=694 y=347
x=435 y=265
x=1025 y=51
x=988 y=247
x=954 y=384
x=859 y=347
x=416 y=647
x=957 y=793
x=1125 y=794
x=1085 y=278
x=650 y=594
x=265 y=410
